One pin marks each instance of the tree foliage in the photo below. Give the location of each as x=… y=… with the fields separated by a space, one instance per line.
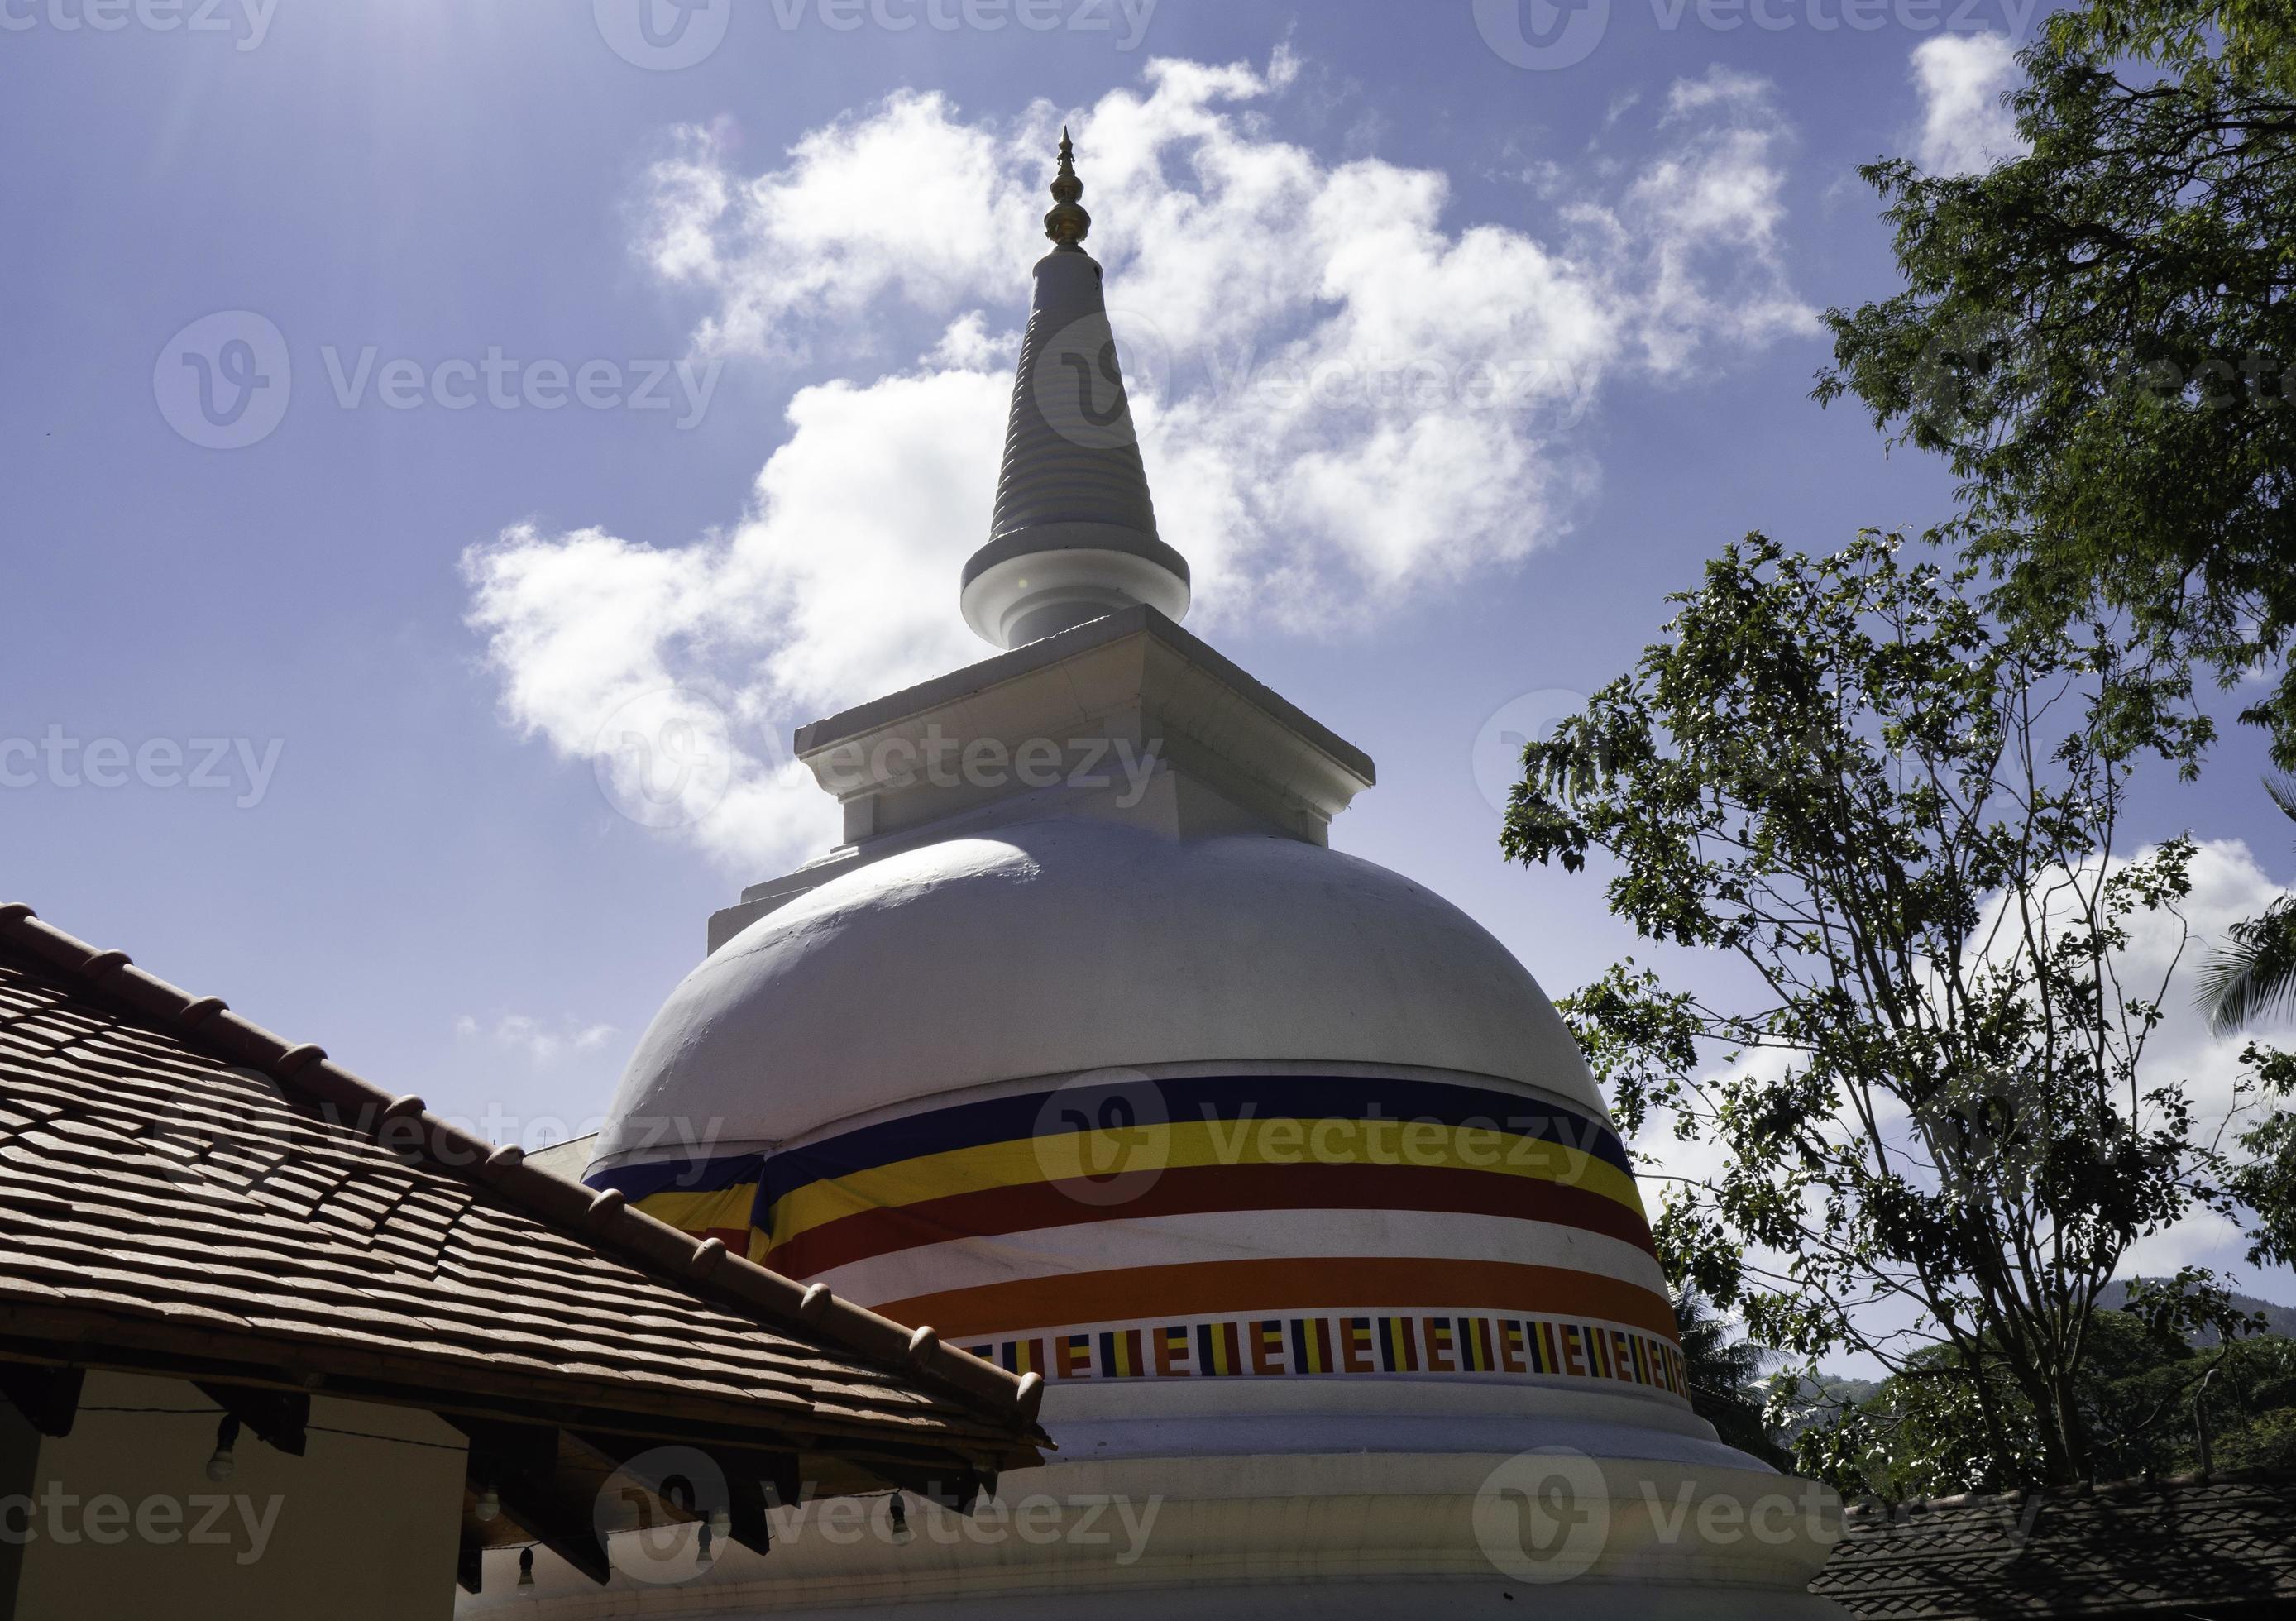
x=1920 y=1131
x=2266 y=1180
x=2100 y=338
x=2149 y=1395
x=2256 y=38
x=1725 y=1374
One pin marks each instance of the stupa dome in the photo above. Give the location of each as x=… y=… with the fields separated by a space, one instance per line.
x=1055 y=947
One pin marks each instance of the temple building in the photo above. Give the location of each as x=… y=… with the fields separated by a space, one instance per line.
x=1085 y=1051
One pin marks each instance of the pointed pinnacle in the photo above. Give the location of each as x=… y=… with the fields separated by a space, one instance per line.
x=1068 y=224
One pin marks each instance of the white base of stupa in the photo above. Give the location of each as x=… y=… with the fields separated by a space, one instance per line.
x=1639 y=1521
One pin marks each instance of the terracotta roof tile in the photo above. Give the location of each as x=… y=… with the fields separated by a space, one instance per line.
x=2223 y=1547
x=162 y=1162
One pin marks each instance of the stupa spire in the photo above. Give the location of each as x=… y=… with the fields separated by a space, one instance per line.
x=1074 y=536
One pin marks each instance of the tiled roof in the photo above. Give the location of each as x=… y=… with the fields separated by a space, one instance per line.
x=180 y=1188
x=2217 y=1547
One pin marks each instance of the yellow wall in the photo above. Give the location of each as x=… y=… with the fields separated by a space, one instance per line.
x=358 y=1528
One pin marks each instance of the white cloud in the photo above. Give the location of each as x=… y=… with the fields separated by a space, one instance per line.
x=541 y=1044
x=1722 y=85
x=2228 y=885
x=1341 y=400
x=1962 y=77
x=908 y=201
x=840 y=584
x=2171 y=948
x=967 y=346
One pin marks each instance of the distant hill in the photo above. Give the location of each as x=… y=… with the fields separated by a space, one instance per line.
x=2277 y=1319
x=1833 y=1391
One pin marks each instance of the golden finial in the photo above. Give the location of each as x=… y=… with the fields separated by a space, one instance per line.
x=1068 y=224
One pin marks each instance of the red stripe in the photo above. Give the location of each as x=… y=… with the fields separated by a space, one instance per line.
x=1205 y=1190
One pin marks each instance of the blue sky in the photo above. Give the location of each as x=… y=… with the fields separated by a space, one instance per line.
x=411 y=620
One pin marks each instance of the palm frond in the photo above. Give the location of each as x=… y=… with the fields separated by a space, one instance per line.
x=2283 y=791
x=2255 y=976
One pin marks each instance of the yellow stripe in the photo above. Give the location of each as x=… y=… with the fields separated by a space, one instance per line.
x=1014 y=1164
x=725 y=1207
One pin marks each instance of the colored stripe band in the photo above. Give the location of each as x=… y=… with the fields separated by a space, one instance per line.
x=1385 y=1344
x=1250 y=1100
x=1207 y=1288
x=1197 y=1190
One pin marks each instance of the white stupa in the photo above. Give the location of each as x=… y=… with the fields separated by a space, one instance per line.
x=1086 y=1051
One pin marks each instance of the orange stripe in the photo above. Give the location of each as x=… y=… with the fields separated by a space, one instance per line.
x=1222 y=1288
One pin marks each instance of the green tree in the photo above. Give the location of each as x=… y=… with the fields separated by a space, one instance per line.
x=1725 y=1378
x=2266 y=1180
x=1922 y=1124
x=2257 y=37
x=2099 y=336
x=2149 y=1395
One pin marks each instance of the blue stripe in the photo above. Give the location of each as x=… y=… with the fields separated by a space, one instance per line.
x=1222 y=1098
x=638 y=1182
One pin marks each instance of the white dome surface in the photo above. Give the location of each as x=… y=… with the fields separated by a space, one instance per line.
x=1053 y=947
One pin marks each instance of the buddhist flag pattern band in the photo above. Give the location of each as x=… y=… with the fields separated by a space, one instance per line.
x=1237 y=1198
x=1408 y=1345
